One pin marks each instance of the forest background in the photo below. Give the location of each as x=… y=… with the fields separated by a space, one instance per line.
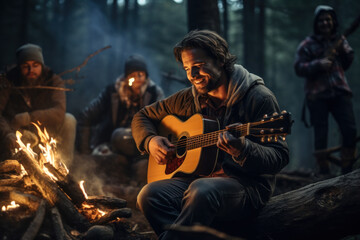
x=263 y=34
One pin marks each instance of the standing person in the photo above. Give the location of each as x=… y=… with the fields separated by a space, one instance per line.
x=29 y=94
x=326 y=88
x=110 y=114
x=244 y=179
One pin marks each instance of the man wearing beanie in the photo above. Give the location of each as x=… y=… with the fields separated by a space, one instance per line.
x=104 y=125
x=326 y=87
x=26 y=99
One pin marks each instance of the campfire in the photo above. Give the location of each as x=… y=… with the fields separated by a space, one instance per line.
x=37 y=189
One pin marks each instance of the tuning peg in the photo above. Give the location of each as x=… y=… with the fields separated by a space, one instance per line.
x=262 y=131
x=283 y=138
x=281 y=129
x=269 y=139
x=275 y=114
x=271 y=130
x=275 y=138
x=263 y=139
x=265 y=116
x=283 y=111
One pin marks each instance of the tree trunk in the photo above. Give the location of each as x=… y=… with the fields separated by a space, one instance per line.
x=203 y=14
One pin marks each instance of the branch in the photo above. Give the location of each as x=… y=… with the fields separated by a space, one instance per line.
x=44 y=87
x=85 y=61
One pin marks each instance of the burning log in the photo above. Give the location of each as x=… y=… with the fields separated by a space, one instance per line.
x=106 y=202
x=12 y=180
x=51 y=192
x=68 y=185
x=35 y=225
x=10 y=166
x=113 y=215
x=31 y=201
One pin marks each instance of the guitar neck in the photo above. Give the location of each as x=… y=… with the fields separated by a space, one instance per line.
x=209 y=139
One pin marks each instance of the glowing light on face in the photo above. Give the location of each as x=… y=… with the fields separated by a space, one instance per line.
x=131 y=80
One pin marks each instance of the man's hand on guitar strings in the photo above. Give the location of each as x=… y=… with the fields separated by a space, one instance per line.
x=230 y=144
x=161 y=149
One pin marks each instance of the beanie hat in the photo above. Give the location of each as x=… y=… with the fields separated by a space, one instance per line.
x=324 y=8
x=29 y=52
x=135 y=63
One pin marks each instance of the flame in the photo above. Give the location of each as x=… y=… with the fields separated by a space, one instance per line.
x=131 y=80
x=88 y=209
x=11 y=206
x=48 y=153
x=81 y=183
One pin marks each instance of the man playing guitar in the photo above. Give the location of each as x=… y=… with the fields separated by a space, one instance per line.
x=243 y=178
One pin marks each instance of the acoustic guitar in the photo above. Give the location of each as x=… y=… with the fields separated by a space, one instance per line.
x=195 y=142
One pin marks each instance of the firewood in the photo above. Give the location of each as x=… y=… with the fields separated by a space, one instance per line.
x=31 y=201
x=72 y=189
x=68 y=185
x=51 y=192
x=118 y=213
x=10 y=166
x=57 y=224
x=106 y=202
x=35 y=225
x=12 y=180
x=9 y=189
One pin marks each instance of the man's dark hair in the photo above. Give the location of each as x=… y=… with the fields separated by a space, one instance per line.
x=212 y=43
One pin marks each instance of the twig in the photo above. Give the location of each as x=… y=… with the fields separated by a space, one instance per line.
x=85 y=61
x=44 y=87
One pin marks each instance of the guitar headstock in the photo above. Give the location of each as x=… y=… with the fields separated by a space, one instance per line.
x=270 y=128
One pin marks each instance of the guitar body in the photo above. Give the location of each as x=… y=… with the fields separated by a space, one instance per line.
x=198 y=161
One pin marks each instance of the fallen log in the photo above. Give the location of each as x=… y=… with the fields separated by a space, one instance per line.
x=51 y=192
x=322 y=210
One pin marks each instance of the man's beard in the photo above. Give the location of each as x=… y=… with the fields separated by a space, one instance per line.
x=213 y=83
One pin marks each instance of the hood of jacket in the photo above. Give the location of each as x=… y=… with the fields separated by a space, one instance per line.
x=239 y=84
x=324 y=8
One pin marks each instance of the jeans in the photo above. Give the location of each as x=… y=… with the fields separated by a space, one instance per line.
x=187 y=202
x=342 y=110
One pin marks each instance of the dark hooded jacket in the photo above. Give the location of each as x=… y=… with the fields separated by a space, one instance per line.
x=46 y=106
x=248 y=101
x=320 y=83
x=112 y=109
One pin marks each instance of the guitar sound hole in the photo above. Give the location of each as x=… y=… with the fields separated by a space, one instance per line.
x=181 y=147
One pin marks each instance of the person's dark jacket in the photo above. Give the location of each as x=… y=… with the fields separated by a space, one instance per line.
x=319 y=82
x=47 y=106
x=109 y=111
x=248 y=101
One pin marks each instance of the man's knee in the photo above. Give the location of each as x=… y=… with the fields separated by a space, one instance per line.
x=202 y=191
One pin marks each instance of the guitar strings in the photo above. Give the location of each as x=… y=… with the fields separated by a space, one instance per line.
x=209 y=139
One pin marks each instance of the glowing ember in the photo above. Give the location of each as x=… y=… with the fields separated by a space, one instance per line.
x=81 y=183
x=11 y=206
x=131 y=80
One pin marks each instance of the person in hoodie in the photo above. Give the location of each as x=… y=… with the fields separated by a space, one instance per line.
x=326 y=87
x=244 y=177
x=104 y=125
x=32 y=93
